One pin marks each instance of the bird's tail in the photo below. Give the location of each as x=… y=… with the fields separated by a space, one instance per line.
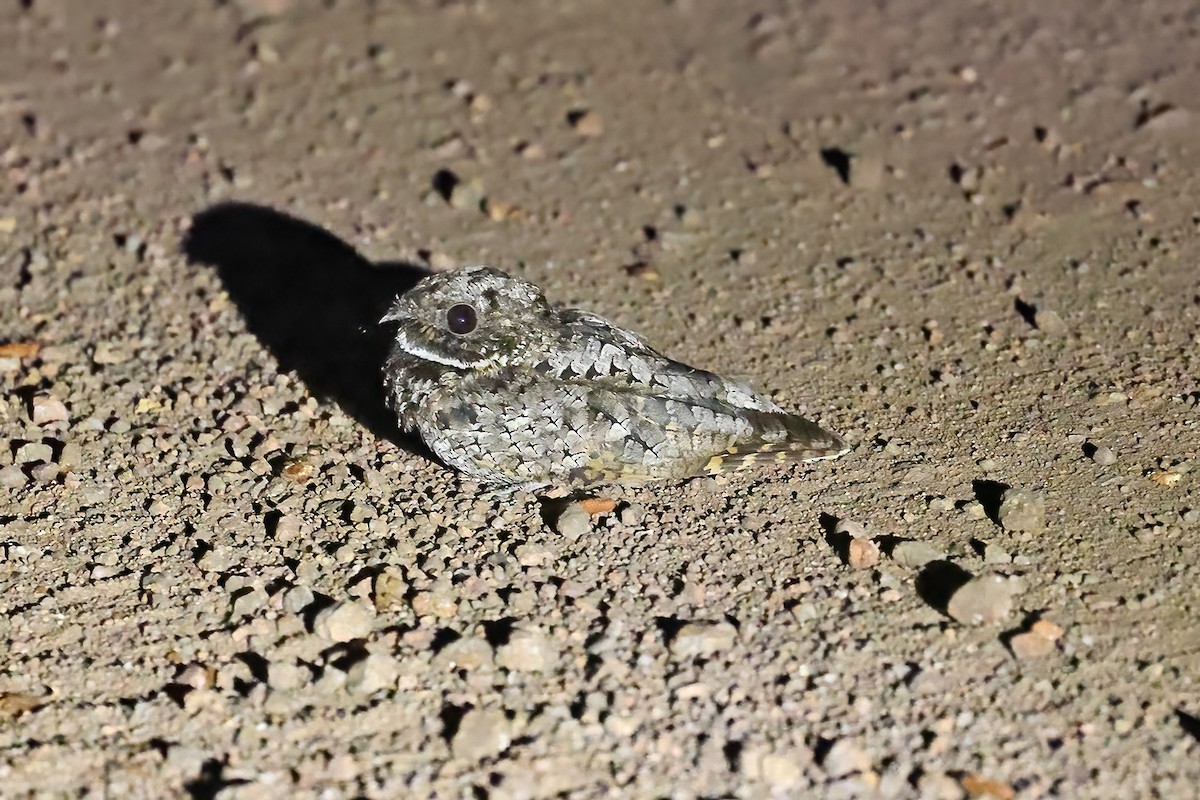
x=780 y=438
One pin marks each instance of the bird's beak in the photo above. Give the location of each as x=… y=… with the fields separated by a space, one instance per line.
x=394 y=314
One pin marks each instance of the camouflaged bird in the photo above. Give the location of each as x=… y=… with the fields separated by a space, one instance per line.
x=516 y=392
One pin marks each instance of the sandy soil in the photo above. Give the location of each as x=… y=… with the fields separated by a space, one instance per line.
x=964 y=235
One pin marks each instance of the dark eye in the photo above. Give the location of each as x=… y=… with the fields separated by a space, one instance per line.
x=460 y=319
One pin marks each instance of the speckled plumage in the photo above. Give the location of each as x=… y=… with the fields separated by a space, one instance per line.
x=537 y=396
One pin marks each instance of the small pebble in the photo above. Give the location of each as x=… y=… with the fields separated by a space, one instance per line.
x=467 y=195
x=249 y=603
x=941 y=504
x=1022 y=511
x=284 y=676
x=703 y=639
x=632 y=515
x=527 y=651
x=588 y=124
x=862 y=553
x=287 y=527
x=70 y=456
x=573 y=522
x=1030 y=645
x=47 y=473
x=296 y=599
x=469 y=652
x=531 y=151
x=197 y=676
x=974 y=510
x=983 y=788
x=783 y=770
x=1047 y=629
x=344 y=622
x=867 y=171
x=438 y=601
x=845 y=758
x=939 y=786
x=983 y=600
x=482 y=733
x=915 y=554
x=1104 y=456
x=374 y=673
x=46 y=409
x=1049 y=322
x=34 y=453
x=390 y=588
x=12 y=477
x=595 y=506
x=103 y=571
x=995 y=554
x=218 y=559
x=108 y=353
x=442 y=262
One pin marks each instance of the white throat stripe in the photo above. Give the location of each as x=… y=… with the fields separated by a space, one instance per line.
x=424 y=353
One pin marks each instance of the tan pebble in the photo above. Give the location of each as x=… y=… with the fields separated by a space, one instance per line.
x=979 y=786
x=297 y=469
x=983 y=600
x=1050 y=323
x=703 y=639
x=782 y=770
x=1047 y=629
x=197 y=676
x=344 y=622
x=108 y=353
x=467 y=195
x=1030 y=645
x=1165 y=477
x=531 y=151
x=376 y=672
x=863 y=553
x=288 y=527
x=390 y=588
x=587 y=123
x=596 y=506
x=481 y=733
x=19 y=349
x=499 y=211
x=434 y=603
x=14 y=704
x=643 y=270
x=845 y=758
x=527 y=651
x=441 y=262
x=469 y=652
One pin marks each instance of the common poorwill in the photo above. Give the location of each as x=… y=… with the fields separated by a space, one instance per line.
x=516 y=392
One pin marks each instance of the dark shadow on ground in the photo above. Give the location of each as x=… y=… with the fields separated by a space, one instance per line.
x=1189 y=723
x=311 y=299
x=990 y=494
x=938 y=581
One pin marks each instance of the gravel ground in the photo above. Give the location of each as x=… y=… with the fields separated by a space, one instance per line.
x=964 y=235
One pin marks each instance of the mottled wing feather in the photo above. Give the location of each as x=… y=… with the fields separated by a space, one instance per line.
x=727 y=424
x=617 y=359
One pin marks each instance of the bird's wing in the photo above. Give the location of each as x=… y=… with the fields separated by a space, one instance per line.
x=725 y=423
x=593 y=349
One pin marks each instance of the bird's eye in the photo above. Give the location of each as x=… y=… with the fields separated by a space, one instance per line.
x=460 y=319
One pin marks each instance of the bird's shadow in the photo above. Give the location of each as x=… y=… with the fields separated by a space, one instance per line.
x=312 y=300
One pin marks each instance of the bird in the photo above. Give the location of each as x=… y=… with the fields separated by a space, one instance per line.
x=519 y=393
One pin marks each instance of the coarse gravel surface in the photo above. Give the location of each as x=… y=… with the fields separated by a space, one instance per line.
x=966 y=236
